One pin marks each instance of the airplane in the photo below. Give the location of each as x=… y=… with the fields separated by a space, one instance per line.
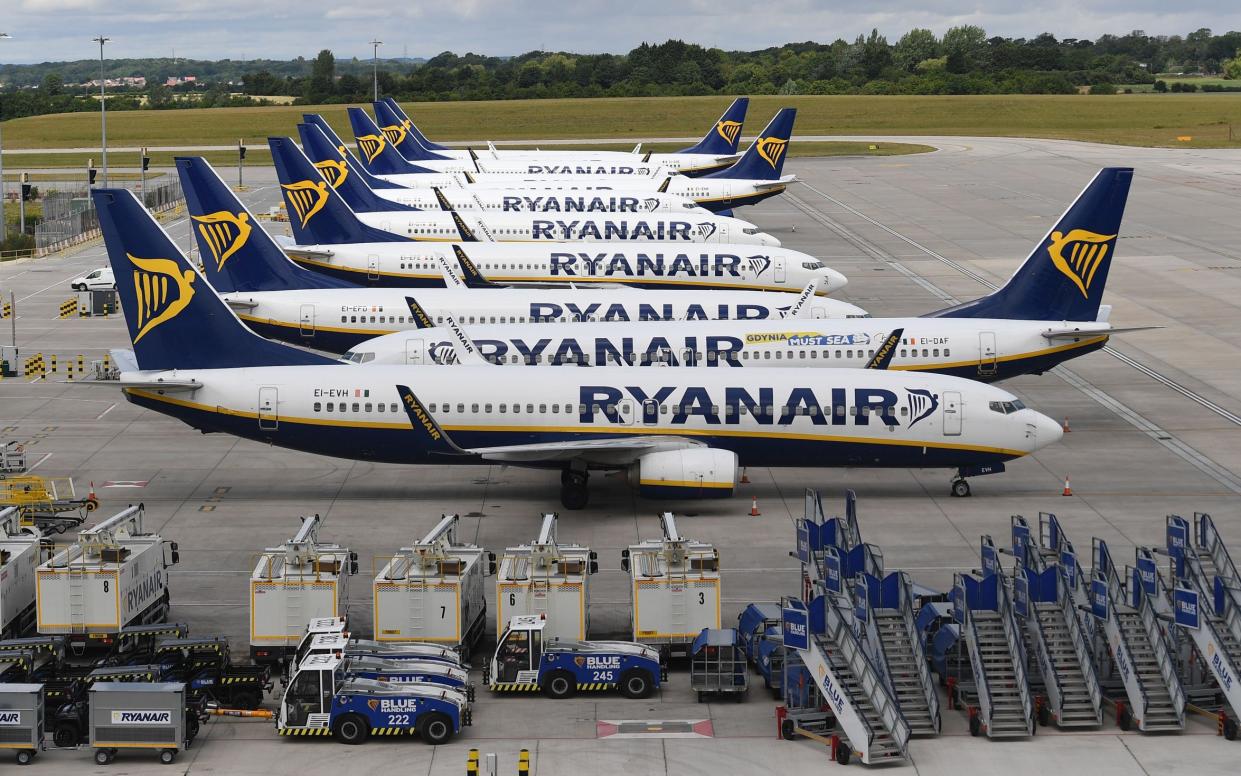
x=1040 y=318
x=332 y=239
x=306 y=192
x=758 y=175
x=279 y=299
x=335 y=167
x=378 y=151
x=716 y=150
x=679 y=433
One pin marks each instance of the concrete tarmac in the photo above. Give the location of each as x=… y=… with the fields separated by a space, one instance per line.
x=1155 y=430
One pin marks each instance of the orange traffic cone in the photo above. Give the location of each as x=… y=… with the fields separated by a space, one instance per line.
x=1068 y=489
x=754 y=508
x=91 y=495
x=1065 y=427
x=745 y=478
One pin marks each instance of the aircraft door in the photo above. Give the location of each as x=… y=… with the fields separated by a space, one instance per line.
x=413 y=351
x=986 y=353
x=818 y=312
x=952 y=413
x=372 y=266
x=650 y=412
x=306 y=323
x=727 y=194
x=269 y=414
x=777 y=268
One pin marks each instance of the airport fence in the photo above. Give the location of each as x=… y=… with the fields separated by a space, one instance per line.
x=69 y=217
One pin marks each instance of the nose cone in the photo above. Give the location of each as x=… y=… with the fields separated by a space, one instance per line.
x=1047 y=431
x=831 y=280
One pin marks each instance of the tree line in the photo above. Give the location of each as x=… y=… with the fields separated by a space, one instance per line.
x=964 y=60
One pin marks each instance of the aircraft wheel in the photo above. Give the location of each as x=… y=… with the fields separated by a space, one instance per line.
x=961 y=488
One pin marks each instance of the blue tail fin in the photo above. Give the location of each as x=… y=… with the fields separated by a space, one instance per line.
x=413 y=128
x=175 y=320
x=376 y=152
x=359 y=196
x=764 y=159
x=341 y=152
x=396 y=130
x=1064 y=277
x=237 y=253
x=723 y=138
x=317 y=213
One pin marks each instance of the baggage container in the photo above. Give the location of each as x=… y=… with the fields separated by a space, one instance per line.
x=132 y=715
x=21 y=720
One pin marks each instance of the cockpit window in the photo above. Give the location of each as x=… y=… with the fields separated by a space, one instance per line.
x=1006 y=407
x=358 y=358
x=812 y=265
x=750 y=230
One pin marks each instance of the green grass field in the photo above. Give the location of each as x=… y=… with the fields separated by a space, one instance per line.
x=1138 y=119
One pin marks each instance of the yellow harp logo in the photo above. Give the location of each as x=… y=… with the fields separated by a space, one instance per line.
x=306 y=198
x=372 y=145
x=224 y=233
x=1078 y=255
x=771 y=149
x=396 y=133
x=163 y=290
x=729 y=130
x=334 y=171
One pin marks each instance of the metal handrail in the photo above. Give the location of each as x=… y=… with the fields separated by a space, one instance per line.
x=1085 y=659
x=919 y=649
x=868 y=679
x=1116 y=597
x=981 y=686
x=1013 y=631
x=1205 y=535
x=1161 y=641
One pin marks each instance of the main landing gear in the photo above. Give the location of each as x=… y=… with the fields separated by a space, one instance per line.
x=960 y=487
x=574 y=493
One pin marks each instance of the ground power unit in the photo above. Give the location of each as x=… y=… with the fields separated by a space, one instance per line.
x=675 y=588
x=293 y=584
x=433 y=591
x=547 y=578
x=115 y=575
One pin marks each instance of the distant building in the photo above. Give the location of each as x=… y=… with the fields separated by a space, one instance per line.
x=178 y=80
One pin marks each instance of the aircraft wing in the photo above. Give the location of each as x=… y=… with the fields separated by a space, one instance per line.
x=157 y=384
x=240 y=304
x=611 y=451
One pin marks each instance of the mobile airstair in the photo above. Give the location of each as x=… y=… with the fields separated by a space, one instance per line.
x=1044 y=601
x=867 y=714
x=1141 y=651
x=1206 y=605
x=884 y=606
x=1004 y=705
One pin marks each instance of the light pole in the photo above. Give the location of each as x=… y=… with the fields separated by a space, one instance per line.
x=375 y=44
x=4 y=227
x=103 y=109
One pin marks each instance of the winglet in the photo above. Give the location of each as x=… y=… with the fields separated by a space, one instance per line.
x=473 y=278
x=443 y=200
x=883 y=355
x=450 y=278
x=801 y=308
x=467 y=352
x=467 y=234
x=433 y=436
x=418 y=315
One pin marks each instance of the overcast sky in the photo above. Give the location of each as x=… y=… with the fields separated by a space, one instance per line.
x=49 y=30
